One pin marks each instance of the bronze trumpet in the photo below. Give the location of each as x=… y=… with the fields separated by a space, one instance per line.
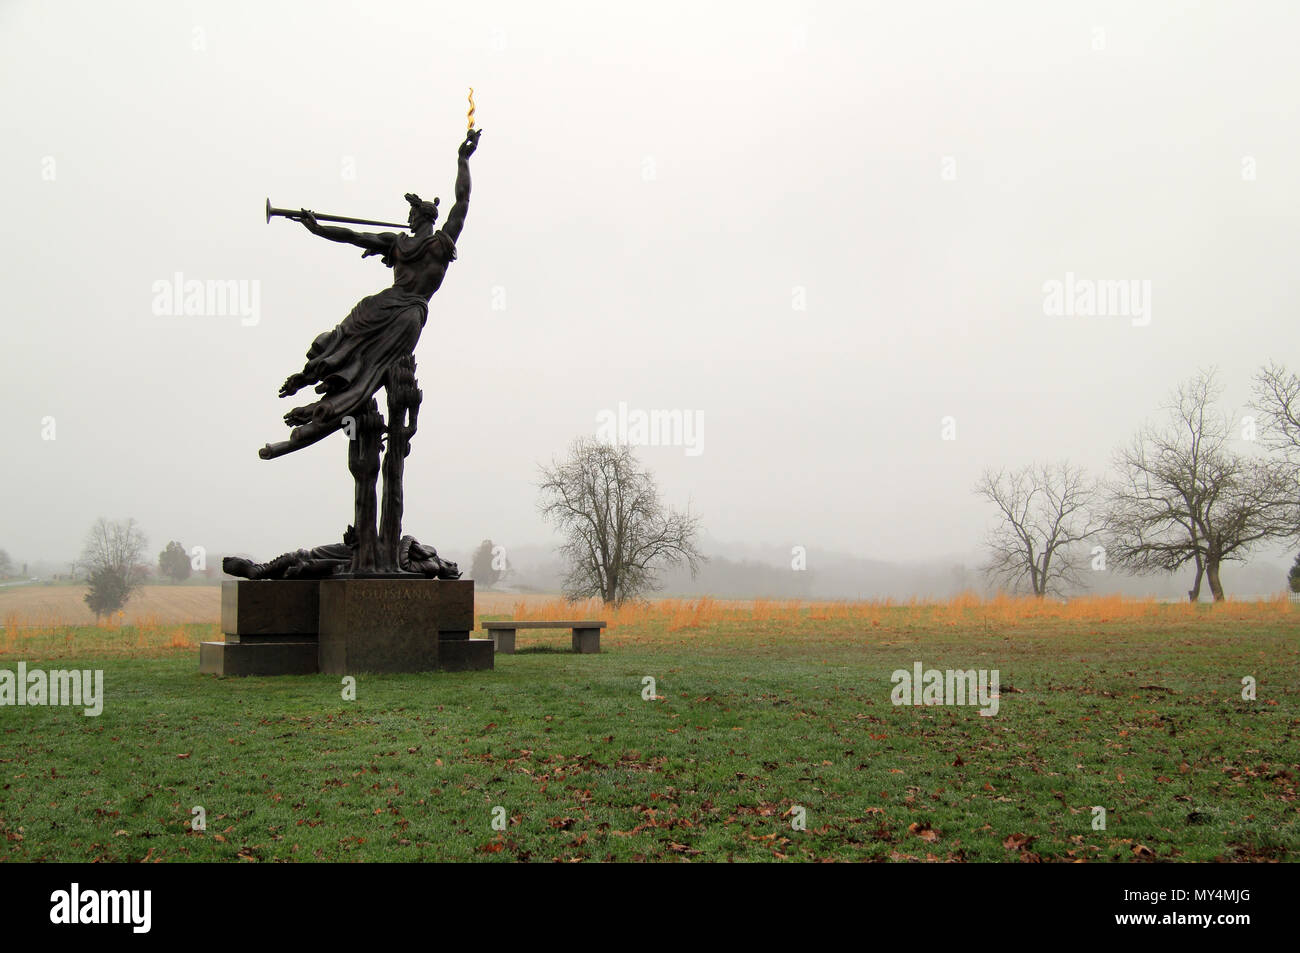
x=296 y=215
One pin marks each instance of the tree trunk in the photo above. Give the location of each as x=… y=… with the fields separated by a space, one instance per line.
x=390 y=516
x=1212 y=576
x=363 y=462
x=1194 y=594
x=403 y=407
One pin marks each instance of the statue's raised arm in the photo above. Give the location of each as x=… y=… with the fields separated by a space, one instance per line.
x=456 y=217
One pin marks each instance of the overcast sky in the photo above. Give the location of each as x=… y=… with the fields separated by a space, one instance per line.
x=820 y=228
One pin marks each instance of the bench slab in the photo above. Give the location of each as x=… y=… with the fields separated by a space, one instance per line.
x=525 y=624
x=586 y=633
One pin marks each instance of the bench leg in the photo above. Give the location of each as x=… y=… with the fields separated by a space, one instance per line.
x=586 y=641
x=505 y=641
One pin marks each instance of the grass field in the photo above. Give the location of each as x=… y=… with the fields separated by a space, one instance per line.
x=765 y=712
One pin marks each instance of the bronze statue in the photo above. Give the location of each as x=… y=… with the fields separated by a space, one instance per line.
x=374 y=347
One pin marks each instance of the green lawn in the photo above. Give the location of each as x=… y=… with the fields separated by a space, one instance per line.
x=755 y=718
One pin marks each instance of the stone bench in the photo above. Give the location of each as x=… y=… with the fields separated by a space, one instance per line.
x=586 y=634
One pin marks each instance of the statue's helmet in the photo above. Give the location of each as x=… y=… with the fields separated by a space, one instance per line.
x=422 y=208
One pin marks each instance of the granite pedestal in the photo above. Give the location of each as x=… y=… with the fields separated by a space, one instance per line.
x=346 y=626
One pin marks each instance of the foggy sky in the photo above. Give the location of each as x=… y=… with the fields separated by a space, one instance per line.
x=657 y=189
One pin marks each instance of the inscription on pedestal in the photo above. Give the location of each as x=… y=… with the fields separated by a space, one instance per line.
x=389 y=625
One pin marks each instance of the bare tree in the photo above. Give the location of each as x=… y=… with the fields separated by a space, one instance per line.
x=618 y=534
x=1184 y=496
x=1045 y=513
x=1277 y=398
x=112 y=561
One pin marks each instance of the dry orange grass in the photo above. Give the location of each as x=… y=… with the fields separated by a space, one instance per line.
x=966 y=609
x=785 y=624
x=142 y=637
x=661 y=621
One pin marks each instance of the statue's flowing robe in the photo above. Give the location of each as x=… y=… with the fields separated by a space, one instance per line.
x=350 y=361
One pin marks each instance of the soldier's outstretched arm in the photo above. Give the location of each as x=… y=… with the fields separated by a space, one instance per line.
x=456 y=217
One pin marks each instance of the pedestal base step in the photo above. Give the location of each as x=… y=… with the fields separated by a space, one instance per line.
x=258 y=658
x=465 y=655
x=302 y=658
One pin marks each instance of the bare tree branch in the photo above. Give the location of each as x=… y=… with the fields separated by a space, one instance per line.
x=618 y=536
x=1277 y=398
x=113 y=563
x=1044 y=515
x=1184 y=496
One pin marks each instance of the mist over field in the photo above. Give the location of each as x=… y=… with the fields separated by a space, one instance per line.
x=846 y=242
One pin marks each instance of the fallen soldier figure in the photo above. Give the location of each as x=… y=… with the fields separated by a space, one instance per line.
x=335 y=558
